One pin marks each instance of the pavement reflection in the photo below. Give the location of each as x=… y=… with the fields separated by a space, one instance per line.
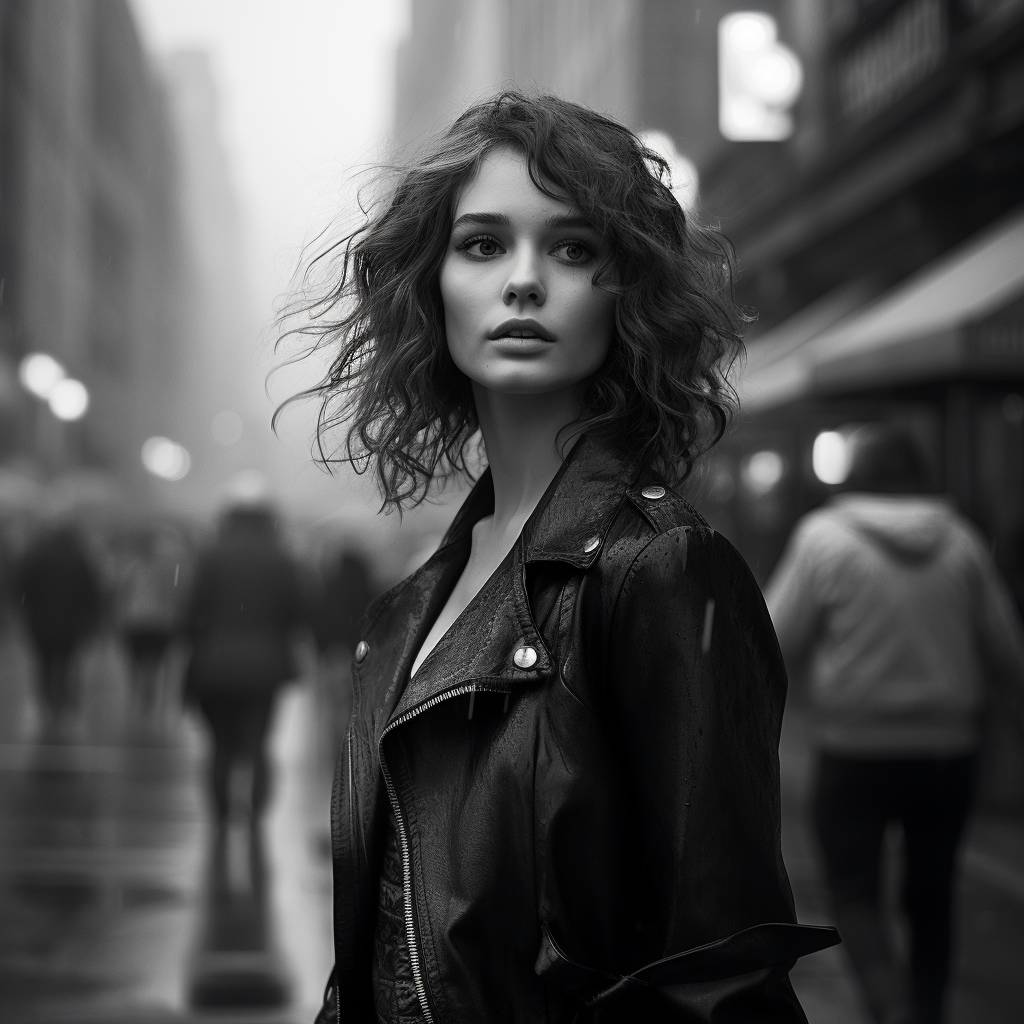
x=105 y=866
x=987 y=984
x=104 y=869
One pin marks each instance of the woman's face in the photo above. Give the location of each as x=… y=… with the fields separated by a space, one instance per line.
x=521 y=312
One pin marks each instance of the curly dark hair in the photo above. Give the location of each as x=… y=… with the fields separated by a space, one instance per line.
x=374 y=299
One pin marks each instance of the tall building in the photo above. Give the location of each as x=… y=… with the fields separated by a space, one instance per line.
x=219 y=372
x=909 y=143
x=649 y=63
x=90 y=250
x=883 y=249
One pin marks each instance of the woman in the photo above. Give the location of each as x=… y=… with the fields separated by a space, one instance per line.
x=561 y=767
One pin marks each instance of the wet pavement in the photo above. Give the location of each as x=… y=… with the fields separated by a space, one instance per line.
x=105 y=882
x=988 y=986
x=105 y=847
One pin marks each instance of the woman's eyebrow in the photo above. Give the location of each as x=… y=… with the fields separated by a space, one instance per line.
x=481 y=218
x=559 y=221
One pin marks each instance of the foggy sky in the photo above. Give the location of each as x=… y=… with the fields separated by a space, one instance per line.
x=305 y=93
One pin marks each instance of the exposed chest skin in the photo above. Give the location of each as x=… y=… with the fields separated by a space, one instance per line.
x=490 y=547
x=523 y=459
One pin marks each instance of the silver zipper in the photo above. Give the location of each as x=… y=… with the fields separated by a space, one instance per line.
x=403 y=840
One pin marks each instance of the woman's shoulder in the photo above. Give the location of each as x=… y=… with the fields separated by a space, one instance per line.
x=661 y=542
x=668 y=582
x=653 y=514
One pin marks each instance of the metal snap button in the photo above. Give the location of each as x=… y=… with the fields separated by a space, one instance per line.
x=362 y=650
x=525 y=657
x=592 y=545
x=653 y=492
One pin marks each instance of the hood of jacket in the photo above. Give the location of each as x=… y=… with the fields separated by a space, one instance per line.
x=910 y=527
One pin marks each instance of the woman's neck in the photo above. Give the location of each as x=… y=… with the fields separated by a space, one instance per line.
x=525 y=440
x=521 y=433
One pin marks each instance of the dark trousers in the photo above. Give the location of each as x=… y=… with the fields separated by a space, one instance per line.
x=856 y=799
x=238 y=722
x=57 y=687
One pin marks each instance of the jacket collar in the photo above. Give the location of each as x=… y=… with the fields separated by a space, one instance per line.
x=478 y=651
x=576 y=509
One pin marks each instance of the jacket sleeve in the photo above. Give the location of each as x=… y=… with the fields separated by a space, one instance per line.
x=697 y=687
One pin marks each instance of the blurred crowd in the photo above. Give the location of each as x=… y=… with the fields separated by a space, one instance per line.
x=897 y=630
x=168 y=612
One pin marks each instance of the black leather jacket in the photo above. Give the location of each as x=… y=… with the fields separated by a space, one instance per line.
x=584 y=772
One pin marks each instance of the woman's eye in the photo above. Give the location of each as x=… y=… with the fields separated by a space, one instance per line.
x=482 y=247
x=573 y=252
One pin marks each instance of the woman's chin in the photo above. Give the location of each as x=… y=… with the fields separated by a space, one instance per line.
x=520 y=382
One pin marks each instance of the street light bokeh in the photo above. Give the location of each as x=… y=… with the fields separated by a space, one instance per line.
x=759 y=79
x=39 y=373
x=68 y=399
x=685 y=182
x=166 y=459
x=830 y=457
x=762 y=472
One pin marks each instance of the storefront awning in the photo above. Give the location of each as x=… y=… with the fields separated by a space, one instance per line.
x=937 y=324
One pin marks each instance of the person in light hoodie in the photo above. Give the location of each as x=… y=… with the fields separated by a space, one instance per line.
x=889 y=599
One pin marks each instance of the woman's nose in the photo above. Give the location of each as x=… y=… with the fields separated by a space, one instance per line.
x=524 y=285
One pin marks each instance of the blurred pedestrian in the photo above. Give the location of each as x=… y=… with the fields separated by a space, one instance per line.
x=348 y=589
x=148 y=610
x=891 y=600
x=60 y=595
x=245 y=605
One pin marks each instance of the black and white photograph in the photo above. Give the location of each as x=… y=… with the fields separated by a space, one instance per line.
x=511 y=512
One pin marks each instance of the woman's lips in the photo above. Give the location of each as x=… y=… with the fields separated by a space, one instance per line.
x=522 y=329
x=522 y=345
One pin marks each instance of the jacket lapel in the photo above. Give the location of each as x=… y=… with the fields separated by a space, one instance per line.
x=579 y=506
x=479 y=650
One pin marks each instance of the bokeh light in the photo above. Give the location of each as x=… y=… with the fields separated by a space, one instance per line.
x=830 y=457
x=750 y=30
x=39 y=373
x=776 y=77
x=164 y=458
x=68 y=399
x=762 y=471
x=685 y=181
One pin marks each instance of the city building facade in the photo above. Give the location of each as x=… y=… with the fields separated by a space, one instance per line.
x=648 y=63
x=90 y=250
x=883 y=253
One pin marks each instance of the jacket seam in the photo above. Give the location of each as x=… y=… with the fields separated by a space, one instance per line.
x=631 y=569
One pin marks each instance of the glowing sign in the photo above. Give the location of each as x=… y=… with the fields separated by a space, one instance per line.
x=759 y=79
